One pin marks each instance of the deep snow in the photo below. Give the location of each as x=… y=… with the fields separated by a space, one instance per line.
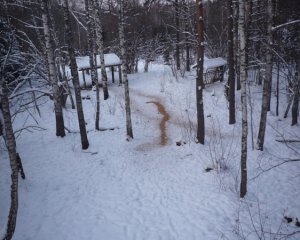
x=139 y=189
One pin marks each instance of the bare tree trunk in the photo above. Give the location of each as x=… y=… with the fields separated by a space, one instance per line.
x=295 y=107
x=187 y=45
x=75 y=78
x=60 y=130
x=11 y=147
x=177 y=52
x=267 y=86
x=236 y=43
x=243 y=78
x=230 y=60
x=99 y=41
x=124 y=70
x=199 y=80
x=64 y=76
x=277 y=89
x=146 y=65
x=90 y=36
x=91 y=44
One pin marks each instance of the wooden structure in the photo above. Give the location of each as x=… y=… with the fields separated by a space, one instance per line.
x=111 y=60
x=214 y=69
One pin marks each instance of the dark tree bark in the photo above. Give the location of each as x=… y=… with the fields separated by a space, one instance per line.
x=236 y=43
x=124 y=70
x=75 y=77
x=199 y=80
x=177 y=51
x=60 y=129
x=230 y=60
x=91 y=42
x=295 y=107
x=277 y=89
x=99 y=41
x=267 y=86
x=187 y=45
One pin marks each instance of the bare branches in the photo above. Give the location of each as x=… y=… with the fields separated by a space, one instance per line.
x=285 y=25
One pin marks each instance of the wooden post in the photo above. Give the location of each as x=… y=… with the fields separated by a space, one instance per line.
x=120 y=75
x=83 y=77
x=112 y=74
x=96 y=67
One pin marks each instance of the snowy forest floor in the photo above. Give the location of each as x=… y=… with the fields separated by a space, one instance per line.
x=150 y=187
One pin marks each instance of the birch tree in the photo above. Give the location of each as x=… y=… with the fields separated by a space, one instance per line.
x=12 y=152
x=60 y=130
x=9 y=133
x=230 y=60
x=91 y=45
x=243 y=78
x=199 y=80
x=75 y=77
x=99 y=42
x=267 y=85
x=91 y=41
x=236 y=43
x=124 y=70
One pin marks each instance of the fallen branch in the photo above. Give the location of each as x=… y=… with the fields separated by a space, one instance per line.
x=287 y=140
x=277 y=165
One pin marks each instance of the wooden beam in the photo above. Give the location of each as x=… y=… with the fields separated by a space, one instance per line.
x=112 y=74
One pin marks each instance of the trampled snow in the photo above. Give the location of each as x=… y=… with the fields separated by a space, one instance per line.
x=138 y=189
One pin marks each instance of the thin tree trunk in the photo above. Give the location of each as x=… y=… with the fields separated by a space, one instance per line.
x=75 y=77
x=187 y=45
x=60 y=130
x=277 y=89
x=11 y=147
x=231 y=74
x=124 y=70
x=146 y=65
x=177 y=52
x=90 y=36
x=91 y=44
x=236 y=43
x=243 y=78
x=295 y=107
x=267 y=86
x=99 y=41
x=63 y=66
x=199 y=80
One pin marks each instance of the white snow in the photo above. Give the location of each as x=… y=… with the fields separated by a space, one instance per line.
x=210 y=63
x=110 y=59
x=138 y=189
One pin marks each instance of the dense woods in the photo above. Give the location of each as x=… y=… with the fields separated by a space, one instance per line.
x=40 y=39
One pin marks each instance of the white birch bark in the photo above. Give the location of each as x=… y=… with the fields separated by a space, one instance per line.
x=243 y=79
x=99 y=42
x=12 y=152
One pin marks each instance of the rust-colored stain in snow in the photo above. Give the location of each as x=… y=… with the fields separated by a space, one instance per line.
x=162 y=125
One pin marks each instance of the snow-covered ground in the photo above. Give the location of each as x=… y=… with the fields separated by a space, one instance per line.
x=140 y=189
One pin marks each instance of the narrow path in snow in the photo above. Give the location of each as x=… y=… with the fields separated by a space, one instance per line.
x=150 y=99
x=162 y=125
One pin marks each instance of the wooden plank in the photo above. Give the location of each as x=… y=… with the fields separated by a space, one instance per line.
x=120 y=75
x=112 y=74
